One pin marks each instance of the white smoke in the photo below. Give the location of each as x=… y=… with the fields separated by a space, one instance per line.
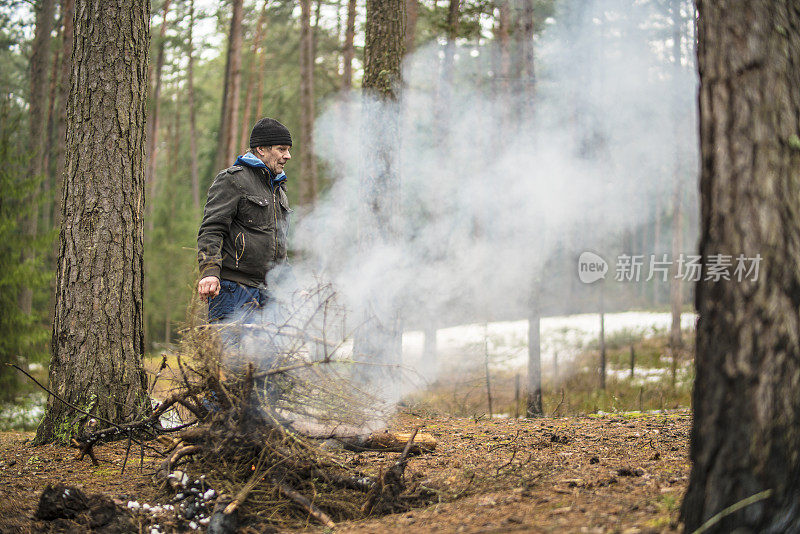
x=487 y=193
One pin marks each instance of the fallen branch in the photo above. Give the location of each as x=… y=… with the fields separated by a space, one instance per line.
x=50 y=392
x=244 y=492
x=306 y=504
x=402 y=460
x=766 y=494
x=391 y=482
x=180 y=452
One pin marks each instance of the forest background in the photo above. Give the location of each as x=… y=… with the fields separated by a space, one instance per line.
x=217 y=67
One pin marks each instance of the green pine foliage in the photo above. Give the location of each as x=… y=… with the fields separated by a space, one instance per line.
x=23 y=337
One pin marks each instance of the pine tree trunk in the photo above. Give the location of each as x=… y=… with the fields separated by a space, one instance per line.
x=98 y=335
x=262 y=66
x=348 y=52
x=235 y=81
x=221 y=160
x=192 y=114
x=67 y=35
x=383 y=53
x=746 y=427
x=675 y=284
x=412 y=13
x=155 y=117
x=602 y=337
x=338 y=20
x=47 y=208
x=503 y=66
x=444 y=94
x=430 y=356
x=657 y=217
x=37 y=119
x=526 y=59
x=675 y=287
x=254 y=75
x=308 y=168
x=315 y=27
x=380 y=336
x=533 y=404
x=229 y=114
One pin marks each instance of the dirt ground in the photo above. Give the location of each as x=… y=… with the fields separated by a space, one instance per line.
x=614 y=473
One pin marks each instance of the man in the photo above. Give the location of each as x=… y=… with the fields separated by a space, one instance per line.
x=245 y=222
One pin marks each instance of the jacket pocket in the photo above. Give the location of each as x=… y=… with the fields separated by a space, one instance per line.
x=254 y=211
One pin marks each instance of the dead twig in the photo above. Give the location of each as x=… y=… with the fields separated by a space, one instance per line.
x=508 y=463
x=127 y=452
x=244 y=492
x=180 y=452
x=404 y=455
x=306 y=504
x=50 y=392
x=158 y=373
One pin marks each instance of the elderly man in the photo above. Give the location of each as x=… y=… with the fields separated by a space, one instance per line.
x=245 y=222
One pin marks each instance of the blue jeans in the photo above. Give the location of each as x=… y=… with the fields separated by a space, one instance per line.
x=236 y=302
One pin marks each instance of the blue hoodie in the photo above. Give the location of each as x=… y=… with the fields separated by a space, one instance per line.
x=251 y=160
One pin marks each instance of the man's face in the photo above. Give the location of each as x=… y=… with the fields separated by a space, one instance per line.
x=274 y=157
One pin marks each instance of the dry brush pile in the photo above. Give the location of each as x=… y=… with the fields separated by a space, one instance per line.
x=265 y=411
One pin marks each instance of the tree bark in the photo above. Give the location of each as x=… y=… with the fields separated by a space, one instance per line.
x=348 y=52
x=533 y=404
x=37 y=119
x=430 y=355
x=258 y=52
x=262 y=66
x=192 y=117
x=229 y=117
x=47 y=209
x=602 y=337
x=383 y=54
x=412 y=13
x=308 y=168
x=98 y=335
x=315 y=27
x=444 y=94
x=746 y=427
x=675 y=285
x=236 y=78
x=503 y=65
x=380 y=335
x=67 y=35
x=527 y=73
x=153 y=121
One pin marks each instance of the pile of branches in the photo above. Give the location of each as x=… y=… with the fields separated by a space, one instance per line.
x=260 y=465
x=254 y=407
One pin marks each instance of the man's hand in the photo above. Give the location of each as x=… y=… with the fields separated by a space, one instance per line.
x=208 y=287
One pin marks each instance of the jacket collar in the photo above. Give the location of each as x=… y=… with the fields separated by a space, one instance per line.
x=251 y=160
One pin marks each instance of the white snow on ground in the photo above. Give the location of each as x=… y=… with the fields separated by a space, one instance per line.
x=644 y=375
x=25 y=413
x=508 y=341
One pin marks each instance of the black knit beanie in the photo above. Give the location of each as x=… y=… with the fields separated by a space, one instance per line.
x=269 y=132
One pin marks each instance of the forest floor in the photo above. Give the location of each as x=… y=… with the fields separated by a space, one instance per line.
x=623 y=472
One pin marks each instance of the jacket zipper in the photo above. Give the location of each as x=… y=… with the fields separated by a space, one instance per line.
x=275 y=215
x=275 y=212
